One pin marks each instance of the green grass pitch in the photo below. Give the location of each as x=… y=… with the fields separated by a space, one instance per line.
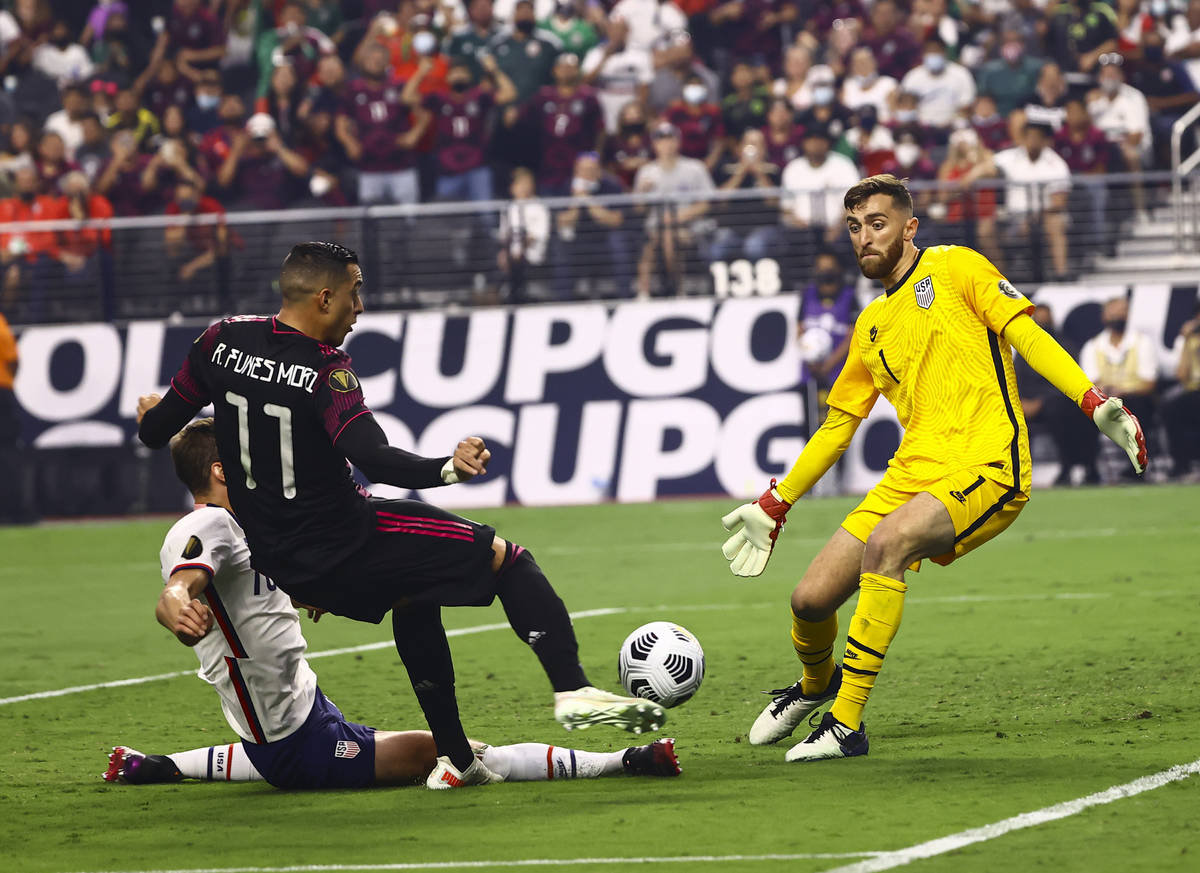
x=1057 y=661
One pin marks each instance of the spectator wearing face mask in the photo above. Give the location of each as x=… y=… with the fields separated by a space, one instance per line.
x=1121 y=111
x=628 y=150
x=591 y=236
x=698 y=120
x=675 y=63
x=904 y=119
x=462 y=116
x=202 y=114
x=871 y=141
x=865 y=87
x=618 y=73
x=799 y=76
x=825 y=111
x=576 y=34
x=61 y=58
x=811 y=208
x=911 y=160
x=943 y=88
x=1169 y=92
x=1122 y=363
x=828 y=308
x=1010 y=77
x=524 y=53
x=193 y=250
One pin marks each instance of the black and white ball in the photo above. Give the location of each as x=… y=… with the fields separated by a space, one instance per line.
x=662 y=662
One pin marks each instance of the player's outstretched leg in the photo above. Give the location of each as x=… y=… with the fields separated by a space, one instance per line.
x=536 y=762
x=539 y=618
x=224 y=763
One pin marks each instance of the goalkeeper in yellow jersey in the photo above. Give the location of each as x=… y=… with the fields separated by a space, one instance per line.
x=938 y=345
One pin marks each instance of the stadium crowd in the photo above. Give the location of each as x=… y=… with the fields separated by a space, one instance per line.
x=142 y=107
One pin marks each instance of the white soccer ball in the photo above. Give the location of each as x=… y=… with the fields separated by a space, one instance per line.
x=815 y=345
x=663 y=662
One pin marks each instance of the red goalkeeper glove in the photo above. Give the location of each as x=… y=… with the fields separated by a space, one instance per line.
x=755 y=528
x=1118 y=424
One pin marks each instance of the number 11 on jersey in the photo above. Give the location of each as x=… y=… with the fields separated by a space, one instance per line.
x=286 y=455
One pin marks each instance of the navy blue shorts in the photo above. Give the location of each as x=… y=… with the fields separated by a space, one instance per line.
x=325 y=752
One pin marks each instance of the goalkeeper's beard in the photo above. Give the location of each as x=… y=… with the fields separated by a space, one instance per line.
x=880 y=267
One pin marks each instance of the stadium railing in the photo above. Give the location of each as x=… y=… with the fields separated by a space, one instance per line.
x=472 y=253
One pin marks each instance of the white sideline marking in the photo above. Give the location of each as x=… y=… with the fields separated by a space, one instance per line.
x=522 y=862
x=118 y=683
x=942 y=845
x=589 y=613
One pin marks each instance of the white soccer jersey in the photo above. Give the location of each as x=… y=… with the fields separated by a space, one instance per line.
x=254 y=655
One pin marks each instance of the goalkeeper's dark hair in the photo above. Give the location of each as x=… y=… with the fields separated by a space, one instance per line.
x=884 y=183
x=312 y=266
x=194 y=451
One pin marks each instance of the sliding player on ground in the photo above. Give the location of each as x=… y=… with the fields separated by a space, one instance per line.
x=938 y=345
x=247 y=636
x=289 y=413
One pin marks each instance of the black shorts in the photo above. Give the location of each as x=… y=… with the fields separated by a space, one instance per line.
x=416 y=554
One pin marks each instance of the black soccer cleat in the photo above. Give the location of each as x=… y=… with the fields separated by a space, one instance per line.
x=655 y=759
x=133 y=768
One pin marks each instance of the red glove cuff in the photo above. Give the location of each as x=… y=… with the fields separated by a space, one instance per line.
x=772 y=505
x=1093 y=398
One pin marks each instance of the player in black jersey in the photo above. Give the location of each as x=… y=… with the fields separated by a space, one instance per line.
x=289 y=414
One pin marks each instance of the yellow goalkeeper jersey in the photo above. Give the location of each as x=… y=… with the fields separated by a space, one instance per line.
x=931 y=345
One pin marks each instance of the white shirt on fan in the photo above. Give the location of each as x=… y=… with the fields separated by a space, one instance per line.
x=254 y=654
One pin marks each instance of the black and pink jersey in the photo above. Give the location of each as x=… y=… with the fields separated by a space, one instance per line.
x=463 y=127
x=282 y=398
x=379 y=116
x=568 y=125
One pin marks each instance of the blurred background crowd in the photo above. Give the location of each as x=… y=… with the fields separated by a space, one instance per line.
x=195 y=107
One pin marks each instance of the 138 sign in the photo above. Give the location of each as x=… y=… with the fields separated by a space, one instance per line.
x=742 y=278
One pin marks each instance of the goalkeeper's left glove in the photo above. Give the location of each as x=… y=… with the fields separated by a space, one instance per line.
x=1118 y=424
x=755 y=528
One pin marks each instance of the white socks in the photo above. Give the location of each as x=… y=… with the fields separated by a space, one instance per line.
x=537 y=762
x=217 y=764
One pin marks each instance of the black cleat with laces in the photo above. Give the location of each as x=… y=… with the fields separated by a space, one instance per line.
x=133 y=768
x=831 y=739
x=788 y=708
x=655 y=759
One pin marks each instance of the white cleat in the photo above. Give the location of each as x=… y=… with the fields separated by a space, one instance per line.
x=788 y=708
x=831 y=739
x=446 y=775
x=587 y=706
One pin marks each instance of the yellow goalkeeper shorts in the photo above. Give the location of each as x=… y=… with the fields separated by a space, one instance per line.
x=979 y=509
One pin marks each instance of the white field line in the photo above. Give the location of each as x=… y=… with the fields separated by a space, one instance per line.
x=522 y=862
x=117 y=683
x=942 y=845
x=590 y=613
x=874 y=862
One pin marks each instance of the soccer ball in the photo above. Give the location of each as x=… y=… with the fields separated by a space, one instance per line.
x=663 y=662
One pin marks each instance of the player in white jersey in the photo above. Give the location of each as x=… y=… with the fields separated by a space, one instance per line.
x=247 y=636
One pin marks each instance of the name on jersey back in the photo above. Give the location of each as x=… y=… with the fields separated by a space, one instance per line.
x=264 y=369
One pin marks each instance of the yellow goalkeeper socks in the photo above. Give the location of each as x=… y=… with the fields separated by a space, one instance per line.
x=872 y=629
x=813 y=642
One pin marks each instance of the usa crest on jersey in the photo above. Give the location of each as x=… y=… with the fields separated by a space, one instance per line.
x=924 y=291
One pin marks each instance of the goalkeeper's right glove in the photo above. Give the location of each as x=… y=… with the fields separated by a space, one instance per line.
x=1118 y=424
x=755 y=528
